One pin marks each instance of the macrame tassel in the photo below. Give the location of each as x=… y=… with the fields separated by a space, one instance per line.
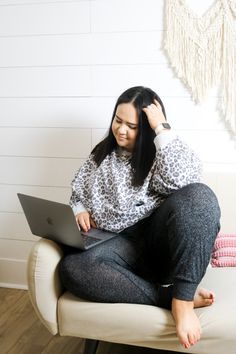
x=194 y=46
x=229 y=67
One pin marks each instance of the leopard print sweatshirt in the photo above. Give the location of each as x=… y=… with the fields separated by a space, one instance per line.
x=106 y=192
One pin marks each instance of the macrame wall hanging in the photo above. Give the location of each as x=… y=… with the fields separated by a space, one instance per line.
x=202 y=50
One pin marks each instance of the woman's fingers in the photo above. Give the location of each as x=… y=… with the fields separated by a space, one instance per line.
x=93 y=224
x=83 y=220
x=154 y=114
x=157 y=104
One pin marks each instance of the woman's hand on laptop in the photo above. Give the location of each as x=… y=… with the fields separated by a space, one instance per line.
x=85 y=221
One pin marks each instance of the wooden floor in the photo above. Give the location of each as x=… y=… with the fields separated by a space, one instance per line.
x=22 y=333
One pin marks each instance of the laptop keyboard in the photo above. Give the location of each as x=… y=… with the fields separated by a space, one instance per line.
x=88 y=241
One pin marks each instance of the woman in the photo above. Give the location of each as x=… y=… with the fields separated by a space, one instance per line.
x=142 y=181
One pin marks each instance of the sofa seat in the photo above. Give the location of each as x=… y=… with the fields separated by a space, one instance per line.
x=149 y=326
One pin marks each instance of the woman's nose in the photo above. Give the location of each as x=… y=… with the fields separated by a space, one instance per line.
x=122 y=129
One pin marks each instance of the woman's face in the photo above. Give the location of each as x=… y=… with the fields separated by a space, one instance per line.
x=125 y=126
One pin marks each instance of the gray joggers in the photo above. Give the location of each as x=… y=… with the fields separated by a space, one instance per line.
x=172 y=246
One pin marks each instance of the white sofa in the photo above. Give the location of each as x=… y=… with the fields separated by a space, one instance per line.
x=139 y=325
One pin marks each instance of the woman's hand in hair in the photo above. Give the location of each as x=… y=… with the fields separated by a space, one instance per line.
x=154 y=114
x=85 y=221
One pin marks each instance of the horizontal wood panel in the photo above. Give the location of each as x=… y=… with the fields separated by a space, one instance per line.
x=45 y=18
x=127 y=48
x=112 y=80
x=82 y=49
x=45 y=142
x=9 y=201
x=45 y=81
x=137 y=16
x=80 y=112
x=98 y=135
x=57 y=50
x=38 y=171
x=15 y=227
x=13 y=273
x=15 y=249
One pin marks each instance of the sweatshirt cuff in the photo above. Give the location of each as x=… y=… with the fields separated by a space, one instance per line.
x=164 y=138
x=78 y=208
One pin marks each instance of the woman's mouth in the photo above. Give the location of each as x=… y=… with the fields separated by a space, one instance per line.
x=121 y=137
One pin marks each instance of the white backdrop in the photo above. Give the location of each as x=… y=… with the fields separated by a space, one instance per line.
x=62 y=66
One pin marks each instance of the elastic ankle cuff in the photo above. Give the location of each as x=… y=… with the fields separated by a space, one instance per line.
x=184 y=290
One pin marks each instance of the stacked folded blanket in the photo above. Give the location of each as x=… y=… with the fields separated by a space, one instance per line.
x=224 y=251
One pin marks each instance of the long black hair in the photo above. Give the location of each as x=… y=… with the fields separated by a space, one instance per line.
x=144 y=150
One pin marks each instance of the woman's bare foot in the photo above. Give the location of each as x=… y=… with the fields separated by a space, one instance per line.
x=203 y=297
x=188 y=327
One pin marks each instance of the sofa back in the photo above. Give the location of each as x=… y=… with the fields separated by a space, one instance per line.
x=224 y=186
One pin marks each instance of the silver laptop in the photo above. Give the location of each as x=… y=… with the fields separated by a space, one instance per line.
x=56 y=221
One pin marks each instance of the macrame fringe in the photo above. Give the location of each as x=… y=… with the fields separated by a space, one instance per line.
x=202 y=50
x=228 y=106
x=195 y=54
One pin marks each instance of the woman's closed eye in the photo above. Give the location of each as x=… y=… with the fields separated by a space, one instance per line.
x=131 y=126
x=118 y=120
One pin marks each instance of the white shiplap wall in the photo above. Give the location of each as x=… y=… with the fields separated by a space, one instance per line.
x=62 y=66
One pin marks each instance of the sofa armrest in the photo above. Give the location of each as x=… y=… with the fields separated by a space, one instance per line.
x=43 y=281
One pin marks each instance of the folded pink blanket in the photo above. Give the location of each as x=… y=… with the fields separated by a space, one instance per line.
x=224 y=251
x=223 y=262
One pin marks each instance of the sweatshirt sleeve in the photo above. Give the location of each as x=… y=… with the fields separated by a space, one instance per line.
x=176 y=164
x=80 y=184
